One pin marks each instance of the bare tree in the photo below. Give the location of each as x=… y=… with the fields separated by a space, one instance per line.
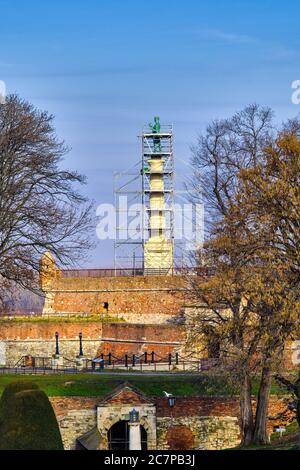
x=40 y=205
x=250 y=300
x=228 y=146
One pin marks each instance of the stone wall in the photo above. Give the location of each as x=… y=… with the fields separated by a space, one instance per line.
x=19 y=339
x=197 y=432
x=75 y=424
x=194 y=422
x=107 y=416
x=69 y=349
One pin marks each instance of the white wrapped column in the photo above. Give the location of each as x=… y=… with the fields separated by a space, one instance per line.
x=135 y=436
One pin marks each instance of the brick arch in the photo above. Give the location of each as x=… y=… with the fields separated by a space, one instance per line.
x=107 y=424
x=180 y=437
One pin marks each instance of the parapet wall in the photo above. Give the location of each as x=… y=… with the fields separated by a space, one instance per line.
x=37 y=338
x=142 y=299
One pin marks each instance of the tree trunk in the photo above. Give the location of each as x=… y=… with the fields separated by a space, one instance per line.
x=247 y=423
x=261 y=416
x=298 y=414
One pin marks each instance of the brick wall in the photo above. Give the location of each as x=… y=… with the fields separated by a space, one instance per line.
x=12 y=330
x=205 y=422
x=199 y=406
x=180 y=437
x=220 y=406
x=150 y=295
x=121 y=339
x=184 y=407
x=18 y=339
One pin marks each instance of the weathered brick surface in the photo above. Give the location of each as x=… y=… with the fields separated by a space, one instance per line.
x=184 y=406
x=142 y=332
x=119 y=349
x=149 y=295
x=11 y=330
x=18 y=339
x=62 y=405
x=199 y=406
x=193 y=423
x=127 y=396
x=180 y=437
x=221 y=406
x=137 y=339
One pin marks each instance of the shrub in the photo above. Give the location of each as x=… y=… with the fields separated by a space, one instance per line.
x=27 y=419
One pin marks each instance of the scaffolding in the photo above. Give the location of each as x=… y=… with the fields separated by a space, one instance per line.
x=150 y=180
x=128 y=252
x=158 y=198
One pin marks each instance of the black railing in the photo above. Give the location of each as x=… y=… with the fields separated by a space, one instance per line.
x=132 y=272
x=145 y=361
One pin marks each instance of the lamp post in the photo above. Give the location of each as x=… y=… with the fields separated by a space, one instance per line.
x=135 y=442
x=171 y=401
x=57 y=360
x=134 y=416
x=80 y=345
x=56 y=344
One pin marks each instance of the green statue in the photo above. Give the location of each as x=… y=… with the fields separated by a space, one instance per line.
x=155 y=128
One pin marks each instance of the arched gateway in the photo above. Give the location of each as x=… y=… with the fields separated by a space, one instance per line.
x=119 y=439
x=125 y=419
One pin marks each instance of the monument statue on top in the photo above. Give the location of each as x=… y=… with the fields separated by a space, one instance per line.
x=155 y=128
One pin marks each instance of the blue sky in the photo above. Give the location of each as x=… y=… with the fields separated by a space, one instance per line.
x=104 y=68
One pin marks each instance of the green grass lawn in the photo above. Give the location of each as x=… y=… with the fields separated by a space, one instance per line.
x=99 y=385
x=274 y=446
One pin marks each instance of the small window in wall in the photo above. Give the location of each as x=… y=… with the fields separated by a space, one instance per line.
x=105 y=306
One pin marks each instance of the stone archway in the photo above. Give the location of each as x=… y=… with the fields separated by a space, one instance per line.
x=117 y=406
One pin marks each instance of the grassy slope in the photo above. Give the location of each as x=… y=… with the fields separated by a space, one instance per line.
x=99 y=385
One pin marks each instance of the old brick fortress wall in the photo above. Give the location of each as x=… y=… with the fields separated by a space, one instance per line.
x=193 y=423
x=19 y=339
x=141 y=299
x=126 y=338
x=144 y=315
